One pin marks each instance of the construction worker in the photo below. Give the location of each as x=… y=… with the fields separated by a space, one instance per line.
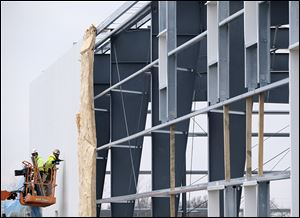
x=40 y=165
x=53 y=159
x=39 y=161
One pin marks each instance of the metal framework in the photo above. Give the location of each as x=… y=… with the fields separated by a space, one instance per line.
x=219 y=52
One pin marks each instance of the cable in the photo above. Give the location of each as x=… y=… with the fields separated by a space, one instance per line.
x=280 y=159
x=191 y=166
x=198 y=125
x=125 y=119
x=271 y=136
x=202 y=203
x=273 y=157
x=199 y=179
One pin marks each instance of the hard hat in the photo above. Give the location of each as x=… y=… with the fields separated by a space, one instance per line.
x=56 y=151
x=34 y=151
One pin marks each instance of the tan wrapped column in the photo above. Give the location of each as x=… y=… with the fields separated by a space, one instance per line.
x=87 y=129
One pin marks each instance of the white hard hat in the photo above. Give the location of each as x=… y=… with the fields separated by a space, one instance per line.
x=56 y=151
x=34 y=151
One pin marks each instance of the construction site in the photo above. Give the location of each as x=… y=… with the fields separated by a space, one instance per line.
x=171 y=108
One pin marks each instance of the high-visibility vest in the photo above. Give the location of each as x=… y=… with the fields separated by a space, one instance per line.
x=40 y=163
x=50 y=162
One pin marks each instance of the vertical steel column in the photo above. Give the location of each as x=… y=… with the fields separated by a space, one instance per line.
x=230 y=203
x=257 y=43
x=251 y=39
x=167 y=65
x=212 y=52
x=212 y=90
x=172 y=60
x=213 y=209
x=264 y=17
x=223 y=69
x=263 y=199
x=163 y=60
x=250 y=199
x=294 y=102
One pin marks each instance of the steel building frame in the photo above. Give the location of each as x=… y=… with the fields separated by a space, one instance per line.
x=231 y=49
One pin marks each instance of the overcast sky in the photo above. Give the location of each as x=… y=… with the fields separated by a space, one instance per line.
x=33 y=36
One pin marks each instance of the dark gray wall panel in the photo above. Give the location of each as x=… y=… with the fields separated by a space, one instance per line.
x=101 y=82
x=130 y=50
x=279 y=13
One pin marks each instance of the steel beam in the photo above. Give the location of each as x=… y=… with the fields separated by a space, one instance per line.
x=263 y=199
x=250 y=193
x=197 y=187
x=200 y=111
x=114 y=16
x=138 y=15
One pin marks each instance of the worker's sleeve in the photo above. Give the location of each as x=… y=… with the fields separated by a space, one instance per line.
x=40 y=164
x=49 y=164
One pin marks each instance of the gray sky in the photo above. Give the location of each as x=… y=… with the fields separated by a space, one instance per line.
x=33 y=36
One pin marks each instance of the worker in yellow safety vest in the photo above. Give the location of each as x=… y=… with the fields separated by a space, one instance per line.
x=53 y=160
x=39 y=161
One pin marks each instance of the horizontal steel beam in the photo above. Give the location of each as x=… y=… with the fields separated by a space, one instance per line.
x=231 y=17
x=254 y=112
x=125 y=24
x=180 y=69
x=115 y=15
x=254 y=134
x=188 y=43
x=197 y=112
x=193 y=172
x=230 y=112
x=100 y=109
x=198 y=187
x=127 y=91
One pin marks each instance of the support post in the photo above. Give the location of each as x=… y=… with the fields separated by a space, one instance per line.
x=261 y=134
x=263 y=199
x=172 y=170
x=213 y=207
x=226 y=143
x=250 y=194
x=249 y=103
x=230 y=202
